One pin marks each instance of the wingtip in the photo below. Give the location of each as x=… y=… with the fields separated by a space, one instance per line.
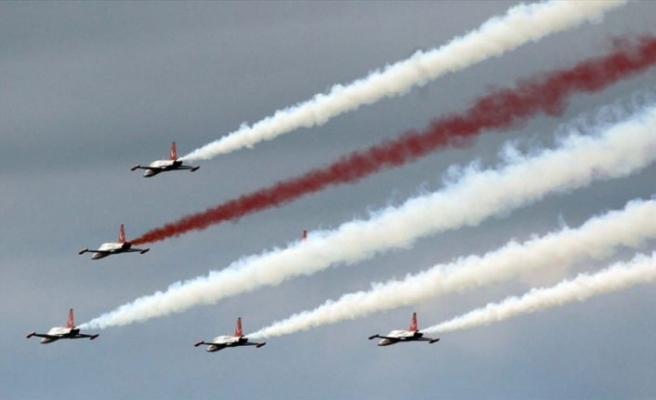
x=31 y=334
x=260 y=345
x=434 y=341
x=373 y=336
x=144 y=251
x=135 y=167
x=83 y=251
x=94 y=336
x=198 y=343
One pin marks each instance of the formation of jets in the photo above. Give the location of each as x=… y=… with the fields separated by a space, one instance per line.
x=60 y=332
x=236 y=340
x=220 y=342
x=154 y=168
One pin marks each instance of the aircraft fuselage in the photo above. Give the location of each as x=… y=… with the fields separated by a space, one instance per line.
x=59 y=333
x=399 y=336
x=158 y=166
x=221 y=342
x=107 y=249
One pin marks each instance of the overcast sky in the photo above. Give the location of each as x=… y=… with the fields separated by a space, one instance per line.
x=89 y=89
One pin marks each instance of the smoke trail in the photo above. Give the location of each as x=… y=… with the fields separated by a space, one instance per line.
x=500 y=110
x=476 y=196
x=520 y=25
x=597 y=238
x=641 y=269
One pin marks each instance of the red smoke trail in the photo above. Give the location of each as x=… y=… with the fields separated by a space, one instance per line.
x=500 y=109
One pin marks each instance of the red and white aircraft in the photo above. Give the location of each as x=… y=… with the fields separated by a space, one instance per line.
x=107 y=249
x=172 y=164
x=221 y=342
x=68 y=332
x=411 y=335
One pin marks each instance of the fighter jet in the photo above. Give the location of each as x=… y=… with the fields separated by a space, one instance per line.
x=172 y=164
x=221 y=342
x=411 y=335
x=107 y=249
x=68 y=332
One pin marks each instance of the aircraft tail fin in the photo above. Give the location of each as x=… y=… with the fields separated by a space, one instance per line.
x=121 y=234
x=71 y=320
x=413 y=323
x=174 y=153
x=304 y=234
x=238 y=331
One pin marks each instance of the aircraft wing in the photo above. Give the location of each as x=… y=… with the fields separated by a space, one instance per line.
x=42 y=335
x=135 y=250
x=106 y=252
x=136 y=167
x=252 y=344
x=191 y=167
x=84 y=336
x=427 y=339
x=202 y=343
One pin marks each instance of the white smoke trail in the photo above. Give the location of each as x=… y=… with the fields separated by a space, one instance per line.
x=521 y=24
x=616 y=152
x=597 y=238
x=641 y=269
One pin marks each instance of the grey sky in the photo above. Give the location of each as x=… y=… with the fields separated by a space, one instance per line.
x=90 y=88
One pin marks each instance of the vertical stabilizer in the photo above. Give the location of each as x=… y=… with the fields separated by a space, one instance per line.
x=174 y=153
x=304 y=234
x=413 y=323
x=71 y=320
x=121 y=234
x=238 y=330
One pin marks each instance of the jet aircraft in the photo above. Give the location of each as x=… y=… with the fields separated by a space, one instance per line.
x=68 y=332
x=221 y=342
x=107 y=249
x=411 y=335
x=172 y=164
